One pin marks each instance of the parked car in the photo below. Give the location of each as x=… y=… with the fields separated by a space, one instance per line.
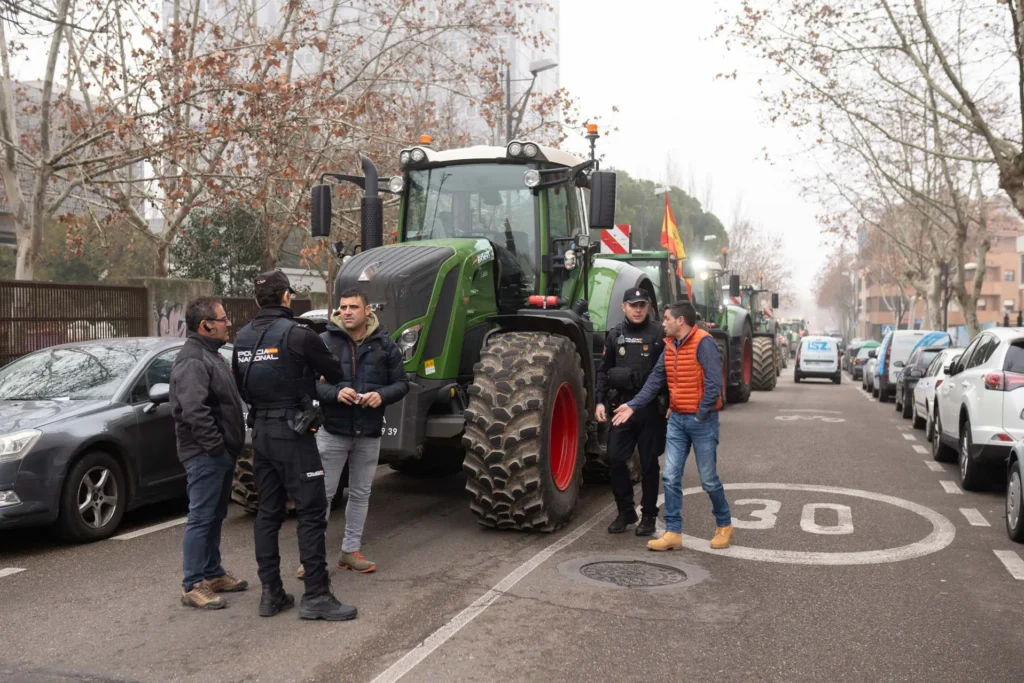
x=894 y=352
x=924 y=392
x=850 y=352
x=978 y=408
x=868 y=379
x=860 y=360
x=910 y=373
x=818 y=357
x=86 y=434
x=1015 y=493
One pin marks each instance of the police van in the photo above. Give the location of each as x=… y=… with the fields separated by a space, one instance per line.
x=818 y=357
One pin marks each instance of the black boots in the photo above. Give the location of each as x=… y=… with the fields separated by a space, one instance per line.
x=622 y=521
x=320 y=603
x=274 y=599
x=646 y=526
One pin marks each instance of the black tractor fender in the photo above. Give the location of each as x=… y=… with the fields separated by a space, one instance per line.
x=560 y=322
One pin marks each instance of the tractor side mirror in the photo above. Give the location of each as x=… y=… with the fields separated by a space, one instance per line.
x=602 y=200
x=734 y=286
x=775 y=299
x=321 y=204
x=689 y=271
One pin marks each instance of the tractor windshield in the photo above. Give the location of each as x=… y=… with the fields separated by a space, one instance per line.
x=656 y=271
x=475 y=200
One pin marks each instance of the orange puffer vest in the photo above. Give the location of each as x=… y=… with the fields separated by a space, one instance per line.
x=684 y=374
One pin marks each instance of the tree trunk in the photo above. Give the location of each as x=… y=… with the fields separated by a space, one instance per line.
x=162 y=266
x=934 y=299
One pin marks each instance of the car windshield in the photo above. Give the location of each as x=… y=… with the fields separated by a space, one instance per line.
x=926 y=358
x=78 y=373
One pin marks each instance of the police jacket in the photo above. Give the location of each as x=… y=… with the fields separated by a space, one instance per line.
x=286 y=363
x=630 y=353
x=372 y=364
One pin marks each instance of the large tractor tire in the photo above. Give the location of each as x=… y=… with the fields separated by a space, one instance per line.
x=764 y=374
x=740 y=393
x=525 y=432
x=723 y=353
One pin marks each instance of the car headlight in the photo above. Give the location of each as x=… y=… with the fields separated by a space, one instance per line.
x=407 y=342
x=16 y=445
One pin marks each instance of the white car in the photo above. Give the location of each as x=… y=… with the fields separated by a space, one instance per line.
x=868 y=378
x=924 y=392
x=978 y=407
x=818 y=357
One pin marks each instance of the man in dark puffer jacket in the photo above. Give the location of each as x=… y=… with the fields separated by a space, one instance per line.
x=374 y=377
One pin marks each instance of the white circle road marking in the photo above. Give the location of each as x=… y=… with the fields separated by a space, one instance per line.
x=942 y=534
x=790 y=418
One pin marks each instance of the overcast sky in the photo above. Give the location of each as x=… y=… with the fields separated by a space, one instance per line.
x=657 y=63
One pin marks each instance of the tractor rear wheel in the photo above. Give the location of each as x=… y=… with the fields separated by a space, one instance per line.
x=764 y=365
x=741 y=392
x=525 y=432
x=723 y=354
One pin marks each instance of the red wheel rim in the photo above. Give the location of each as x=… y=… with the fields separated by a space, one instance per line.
x=748 y=361
x=564 y=437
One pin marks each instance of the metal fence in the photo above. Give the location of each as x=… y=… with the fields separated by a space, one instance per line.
x=240 y=310
x=34 y=315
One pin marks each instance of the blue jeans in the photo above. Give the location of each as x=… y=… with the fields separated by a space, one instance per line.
x=209 y=490
x=684 y=430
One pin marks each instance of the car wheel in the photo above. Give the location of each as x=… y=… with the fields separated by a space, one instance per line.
x=929 y=426
x=970 y=470
x=898 y=399
x=918 y=421
x=906 y=407
x=874 y=391
x=838 y=379
x=94 y=498
x=940 y=451
x=1014 y=504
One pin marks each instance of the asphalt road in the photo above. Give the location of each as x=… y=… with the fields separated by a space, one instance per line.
x=852 y=561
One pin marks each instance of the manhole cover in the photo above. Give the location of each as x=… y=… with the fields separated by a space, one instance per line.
x=633 y=574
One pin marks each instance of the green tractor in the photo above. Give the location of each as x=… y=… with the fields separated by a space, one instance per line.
x=767 y=362
x=498 y=301
x=793 y=329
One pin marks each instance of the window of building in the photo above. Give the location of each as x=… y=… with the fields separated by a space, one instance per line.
x=981 y=303
x=1009 y=276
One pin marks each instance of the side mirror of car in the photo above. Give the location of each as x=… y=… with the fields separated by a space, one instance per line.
x=947 y=369
x=158 y=393
x=872 y=354
x=898 y=364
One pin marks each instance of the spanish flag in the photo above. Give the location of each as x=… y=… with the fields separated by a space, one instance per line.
x=671 y=241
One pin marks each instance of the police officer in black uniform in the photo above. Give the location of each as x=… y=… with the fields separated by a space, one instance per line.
x=631 y=350
x=277 y=363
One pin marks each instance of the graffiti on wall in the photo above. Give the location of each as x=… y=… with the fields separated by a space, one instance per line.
x=170 y=319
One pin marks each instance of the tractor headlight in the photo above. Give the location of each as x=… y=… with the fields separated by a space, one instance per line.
x=396 y=184
x=530 y=149
x=404 y=158
x=418 y=155
x=16 y=445
x=407 y=342
x=515 y=149
x=532 y=178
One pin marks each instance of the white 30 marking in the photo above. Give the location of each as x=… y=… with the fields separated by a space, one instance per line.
x=766 y=516
x=844 y=526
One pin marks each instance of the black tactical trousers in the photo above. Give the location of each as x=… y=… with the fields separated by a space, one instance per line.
x=644 y=431
x=286 y=463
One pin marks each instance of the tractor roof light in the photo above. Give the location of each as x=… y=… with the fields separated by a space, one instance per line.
x=418 y=155
x=524 y=149
x=532 y=178
x=530 y=150
x=396 y=184
x=404 y=158
x=515 y=149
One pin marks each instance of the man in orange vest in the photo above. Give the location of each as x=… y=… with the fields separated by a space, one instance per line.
x=692 y=369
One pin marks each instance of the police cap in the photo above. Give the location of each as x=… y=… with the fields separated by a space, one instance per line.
x=272 y=282
x=635 y=296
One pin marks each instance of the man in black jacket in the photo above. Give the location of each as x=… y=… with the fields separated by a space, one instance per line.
x=277 y=364
x=631 y=350
x=373 y=378
x=210 y=434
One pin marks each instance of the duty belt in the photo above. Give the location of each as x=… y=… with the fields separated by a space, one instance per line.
x=274 y=412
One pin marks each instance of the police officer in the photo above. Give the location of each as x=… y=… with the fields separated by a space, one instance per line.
x=276 y=364
x=631 y=350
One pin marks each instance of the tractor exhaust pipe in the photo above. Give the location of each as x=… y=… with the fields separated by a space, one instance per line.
x=371 y=208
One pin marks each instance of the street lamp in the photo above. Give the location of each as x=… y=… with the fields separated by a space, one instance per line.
x=514 y=114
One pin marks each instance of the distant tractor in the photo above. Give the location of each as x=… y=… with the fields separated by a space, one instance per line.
x=794 y=329
x=499 y=303
x=767 y=352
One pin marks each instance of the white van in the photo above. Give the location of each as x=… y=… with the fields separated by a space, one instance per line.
x=818 y=357
x=894 y=352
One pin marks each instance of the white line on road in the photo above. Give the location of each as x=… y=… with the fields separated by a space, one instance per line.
x=950 y=487
x=921 y=449
x=974 y=517
x=460 y=620
x=9 y=571
x=909 y=437
x=807 y=410
x=933 y=466
x=150 y=529
x=1012 y=562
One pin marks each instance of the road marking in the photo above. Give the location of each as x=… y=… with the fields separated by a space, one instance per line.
x=933 y=466
x=10 y=571
x=974 y=517
x=1012 y=562
x=950 y=487
x=460 y=620
x=811 y=526
x=150 y=529
x=942 y=534
x=909 y=437
x=921 y=449
x=808 y=410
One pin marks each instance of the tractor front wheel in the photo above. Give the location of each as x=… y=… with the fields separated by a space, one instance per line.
x=764 y=374
x=525 y=432
x=740 y=393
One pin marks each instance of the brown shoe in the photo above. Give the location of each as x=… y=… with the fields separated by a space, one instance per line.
x=670 y=541
x=722 y=538
x=202 y=597
x=301 y=573
x=356 y=562
x=227 y=584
